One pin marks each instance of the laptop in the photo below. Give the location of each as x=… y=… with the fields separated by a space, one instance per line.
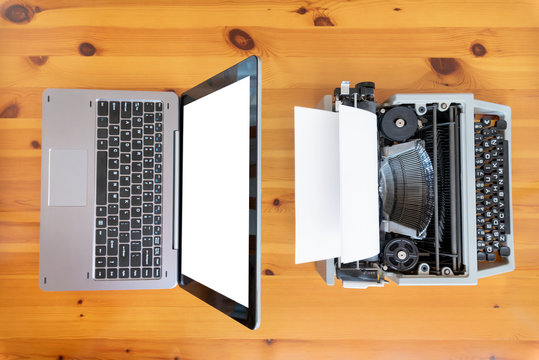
x=147 y=190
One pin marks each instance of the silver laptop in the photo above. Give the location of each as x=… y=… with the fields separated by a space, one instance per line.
x=146 y=190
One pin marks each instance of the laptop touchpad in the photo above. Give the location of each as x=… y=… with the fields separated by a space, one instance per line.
x=68 y=174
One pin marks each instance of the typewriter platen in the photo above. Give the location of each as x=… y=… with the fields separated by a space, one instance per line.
x=444 y=190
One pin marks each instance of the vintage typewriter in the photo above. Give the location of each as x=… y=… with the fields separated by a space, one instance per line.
x=444 y=167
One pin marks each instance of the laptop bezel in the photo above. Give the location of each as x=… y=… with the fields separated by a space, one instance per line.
x=248 y=316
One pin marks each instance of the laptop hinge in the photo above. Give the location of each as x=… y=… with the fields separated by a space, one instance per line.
x=176 y=197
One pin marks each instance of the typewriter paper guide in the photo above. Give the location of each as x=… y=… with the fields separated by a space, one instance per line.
x=336 y=159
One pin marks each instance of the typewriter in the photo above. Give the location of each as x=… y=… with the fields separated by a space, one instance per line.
x=444 y=189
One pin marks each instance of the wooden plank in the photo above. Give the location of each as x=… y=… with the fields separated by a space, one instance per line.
x=290 y=72
x=270 y=42
x=166 y=14
x=265 y=349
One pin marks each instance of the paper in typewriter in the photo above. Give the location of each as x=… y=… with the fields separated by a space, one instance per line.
x=336 y=164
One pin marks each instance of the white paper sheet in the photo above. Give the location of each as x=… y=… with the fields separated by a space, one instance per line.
x=317 y=184
x=336 y=163
x=358 y=184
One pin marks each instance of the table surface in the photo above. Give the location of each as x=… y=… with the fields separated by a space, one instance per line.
x=489 y=48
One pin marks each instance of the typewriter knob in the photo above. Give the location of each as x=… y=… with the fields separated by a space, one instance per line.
x=401 y=254
x=399 y=123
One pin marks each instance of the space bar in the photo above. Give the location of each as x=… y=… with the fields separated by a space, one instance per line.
x=101 y=179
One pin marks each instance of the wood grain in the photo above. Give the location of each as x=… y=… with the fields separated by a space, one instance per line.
x=489 y=48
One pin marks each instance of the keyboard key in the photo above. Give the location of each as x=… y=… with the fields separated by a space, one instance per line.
x=126 y=124
x=135 y=259
x=148 y=173
x=125 y=180
x=101 y=211
x=157 y=272
x=114 y=130
x=100 y=262
x=148 y=129
x=135 y=273
x=102 y=122
x=125 y=192
x=137 y=155
x=147 y=242
x=124 y=237
x=147 y=272
x=102 y=108
x=149 y=118
x=137 y=133
x=114 y=116
x=125 y=135
x=125 y=203
x=148 y=140
x=137 y=122
x=112 y=232
x=124 y=273
x=114 y=152
x=149 y=107
x=147 y=230
x=114 y=141
x=148 y=163
x=124 y=226
x=158 y=116
x=136 y=235
x=135 y=246
x=136 y=223
x=102 y=145
x=112 y=261
x=147 y=185
x=112 y=221
x=137 y=108
x=156 y=261
x=136 y=178
x=124 y=255
x=100 y=250
x=100 y=273
x=100 y=236
x=136 y=166
x=481 y=256
x=112 y=273
x=113 y=186
x=113 y=209
x=125 y=158
x=100 y=223
x=125 y=146
x=159 y=106
x=126 y=109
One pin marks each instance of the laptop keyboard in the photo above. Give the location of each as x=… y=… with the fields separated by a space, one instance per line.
x=128 y=190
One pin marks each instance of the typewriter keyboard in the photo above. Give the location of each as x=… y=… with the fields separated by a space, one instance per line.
x=128 y=190
x=492 y=181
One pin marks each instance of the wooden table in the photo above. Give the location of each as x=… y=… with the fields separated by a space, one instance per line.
x=490 y=48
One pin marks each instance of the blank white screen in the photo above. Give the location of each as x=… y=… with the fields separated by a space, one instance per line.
x=215 y=191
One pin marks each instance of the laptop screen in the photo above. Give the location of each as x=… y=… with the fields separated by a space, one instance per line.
x=215 y=196
x=220 y=191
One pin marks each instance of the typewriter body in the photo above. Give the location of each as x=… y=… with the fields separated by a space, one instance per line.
x=444 y=190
